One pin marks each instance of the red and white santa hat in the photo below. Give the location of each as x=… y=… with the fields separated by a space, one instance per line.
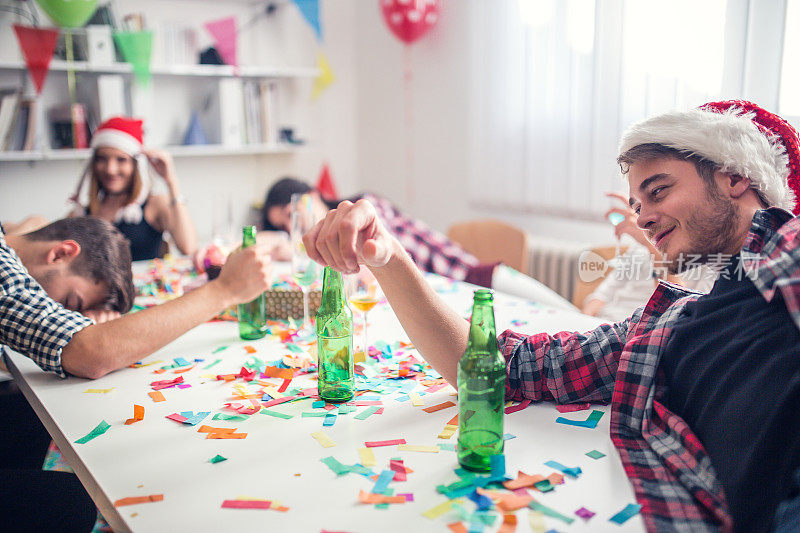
x=740 y=137
x=124 y=134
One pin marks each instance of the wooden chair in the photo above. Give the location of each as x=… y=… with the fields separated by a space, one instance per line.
x=584 y=288
x=491 y=241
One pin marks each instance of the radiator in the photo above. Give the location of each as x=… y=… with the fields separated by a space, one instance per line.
x=555 y=263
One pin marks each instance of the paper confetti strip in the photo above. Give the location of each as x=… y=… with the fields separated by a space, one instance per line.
x=367 y=456
x=519 y=407
x=572 y=407
x=323 y=439
x=571 y=471
x=417 y=448
x=157 y=396
x=98 y=391
x=217 y=459
x=439 y=510
x=434 y=408
x=594 y=454
x=366 y=413
x=629 y=511
x=246 y=504
x=448 y=431
x=416 y=401
x=276 y=414
x=536 y=506
x=101 y=428
x=590 y=422
x=138 y=415
x=132 y=500
x=369 y=497
x=378 y=443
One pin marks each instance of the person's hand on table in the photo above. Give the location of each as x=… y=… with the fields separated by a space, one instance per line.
x=101 y=315
x=348 y=236
x=246 y=274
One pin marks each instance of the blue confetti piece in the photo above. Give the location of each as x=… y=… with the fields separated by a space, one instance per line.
x=196 y=419
x=498 y=465
x=180 y=361
x=198 y=360
x=483 y=502
x=632 y=509
x=590 y=422
x=403 y=398
x=509 y=436
x=330 y=419
x=383 y=481
x=568 y=470
x=318 y=403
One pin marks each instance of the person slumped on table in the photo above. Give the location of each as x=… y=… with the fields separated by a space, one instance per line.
x=429 y=249
x=51 y=282
x=120 y=190
x=704 y=389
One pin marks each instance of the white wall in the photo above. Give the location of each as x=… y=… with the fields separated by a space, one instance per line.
x=431 y=181
x=285 y=40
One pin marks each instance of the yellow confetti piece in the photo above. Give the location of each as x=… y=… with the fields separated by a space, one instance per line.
x=439 y=510
x=536 y=521
x=142 y=365
x=323 y=439
x=208 y=376
x=359 y=357
x=273 y=392
x=367 y=456
x=98 y=391
x=448 y=431
x=417 y=448
x=416 y=401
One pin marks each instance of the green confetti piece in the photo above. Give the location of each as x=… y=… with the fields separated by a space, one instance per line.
x=294 y=348
x=447 y=446
x=221 y=348
x=544 y=485
x=101 y=428
x=314 y=414
x=536 y=506
x=214 y=363
x=276 y=414
x=345 y=409
x=369 y=411
x=594 y=454
x=387 y=492
x=335 y=465
x=235 y=418
x=217 y=459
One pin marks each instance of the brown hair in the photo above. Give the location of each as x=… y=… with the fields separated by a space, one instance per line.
x=94 y=186
x=652 y=151
x=105 y=256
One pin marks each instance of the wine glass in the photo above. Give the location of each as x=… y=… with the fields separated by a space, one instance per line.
x=364 y=293
x=304 y=270
x=615 y=219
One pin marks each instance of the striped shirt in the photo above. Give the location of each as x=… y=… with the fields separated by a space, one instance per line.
x=31 y=323
x=670 y=471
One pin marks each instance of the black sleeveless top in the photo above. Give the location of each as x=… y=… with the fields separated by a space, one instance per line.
x=145 y=239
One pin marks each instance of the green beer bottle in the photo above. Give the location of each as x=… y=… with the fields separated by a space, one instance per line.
x=481 y=389
x=336 y=380
x=252 y=315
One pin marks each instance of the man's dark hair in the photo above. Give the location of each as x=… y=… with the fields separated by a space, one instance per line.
x=105 y=256
x=280 y=194
x=652 y=151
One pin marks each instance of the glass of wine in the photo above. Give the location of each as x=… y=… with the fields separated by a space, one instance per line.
x=304 y=270
x=364 y=293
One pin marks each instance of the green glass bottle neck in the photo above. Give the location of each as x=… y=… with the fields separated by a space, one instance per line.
x=333 y=295
x=248 y=236
x=482 y=333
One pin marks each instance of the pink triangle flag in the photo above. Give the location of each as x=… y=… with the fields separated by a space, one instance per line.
x=224 y=33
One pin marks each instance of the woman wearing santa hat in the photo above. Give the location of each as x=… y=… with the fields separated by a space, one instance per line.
x=120 y=190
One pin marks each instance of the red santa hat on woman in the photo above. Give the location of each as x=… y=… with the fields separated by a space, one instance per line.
x=740 y=137
x=124 y=134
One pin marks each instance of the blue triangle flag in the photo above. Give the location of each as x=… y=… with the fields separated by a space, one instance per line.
x=195 y=133
x=310 y=11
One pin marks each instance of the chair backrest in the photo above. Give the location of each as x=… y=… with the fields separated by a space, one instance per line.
x=585 y=288
x=491 y=241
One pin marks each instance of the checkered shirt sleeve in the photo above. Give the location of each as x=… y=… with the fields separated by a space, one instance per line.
x=430 y=250
x=30 y=322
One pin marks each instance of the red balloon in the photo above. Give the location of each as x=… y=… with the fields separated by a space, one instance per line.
x=410 y=19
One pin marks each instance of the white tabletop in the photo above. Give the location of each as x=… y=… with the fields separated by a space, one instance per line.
x=279 y=460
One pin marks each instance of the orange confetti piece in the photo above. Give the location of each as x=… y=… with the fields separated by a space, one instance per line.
x=138 y=415
x=509 y=524
x=434 y=408
x=457 y=527
x=182 y=370
x=523 y=480
x=157 y=396
x=453 y=421
x=275 y=372
x=369 y=497
x=159 y=371
x=132 y=500
x=226 y=435
x=511 y=502
x=249 y=349
x=210 y=429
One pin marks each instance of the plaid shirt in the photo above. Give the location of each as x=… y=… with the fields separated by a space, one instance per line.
x=30 y=322
x=431 y=250
x=671 y=473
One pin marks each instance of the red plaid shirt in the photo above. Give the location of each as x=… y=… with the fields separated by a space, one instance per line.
x=670 y=471
x=430 y=250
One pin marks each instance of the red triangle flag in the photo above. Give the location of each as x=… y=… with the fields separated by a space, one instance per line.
x=325 y=184
x=37 y=46
x=224 y=33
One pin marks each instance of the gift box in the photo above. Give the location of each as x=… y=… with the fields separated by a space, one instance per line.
x=288 y=303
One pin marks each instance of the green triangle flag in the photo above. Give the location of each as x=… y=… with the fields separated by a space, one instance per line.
x=136 y=47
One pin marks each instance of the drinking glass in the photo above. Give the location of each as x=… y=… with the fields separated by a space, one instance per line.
x=615 y=219
x=304 y=270
x=363 y=292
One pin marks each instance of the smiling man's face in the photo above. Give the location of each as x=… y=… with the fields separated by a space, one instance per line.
x=681 y=213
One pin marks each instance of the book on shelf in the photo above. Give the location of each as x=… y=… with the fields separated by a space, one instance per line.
x=268 y=95
x=231 y=111
x=252 y=113
x=22 y=134
x=9 y=103
x=68 y=126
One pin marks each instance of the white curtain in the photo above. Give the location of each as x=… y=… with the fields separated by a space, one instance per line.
x=556 y=82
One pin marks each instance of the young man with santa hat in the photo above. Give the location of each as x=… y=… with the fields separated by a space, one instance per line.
x=704 y=389
x=120 y=190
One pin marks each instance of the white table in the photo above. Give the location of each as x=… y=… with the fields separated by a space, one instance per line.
x=279 y=460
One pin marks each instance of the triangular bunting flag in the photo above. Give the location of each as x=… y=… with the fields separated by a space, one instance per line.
x=310 y=11
x=325 y=184
x=224 y=33
x=37 y=45
x=325 y=77
x=136 y=47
